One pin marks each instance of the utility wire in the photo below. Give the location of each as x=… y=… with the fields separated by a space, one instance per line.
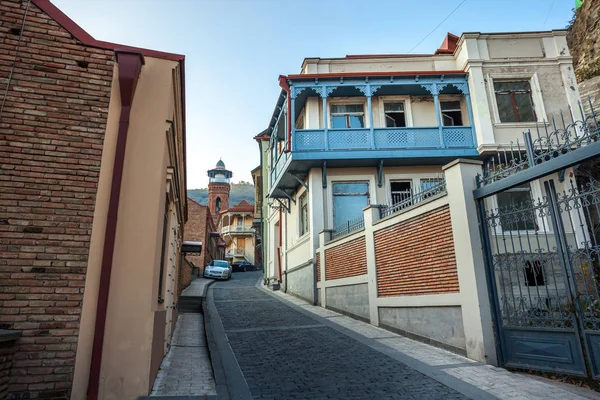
x=438 y=25
x=12 y=69
x=548 y=15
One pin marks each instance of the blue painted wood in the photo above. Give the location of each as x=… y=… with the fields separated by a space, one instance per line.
x=293 y=118
x=385 y=138
x=325 y=123
x=438 y=112
x=370 y=111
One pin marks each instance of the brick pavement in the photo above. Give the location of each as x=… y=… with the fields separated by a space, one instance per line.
x=453 y=369
x=285 y=354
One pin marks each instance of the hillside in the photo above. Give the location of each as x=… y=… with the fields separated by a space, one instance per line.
x=239 y=192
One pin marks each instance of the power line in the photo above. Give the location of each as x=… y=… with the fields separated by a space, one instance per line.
x=12 y=69
x=438 y=25
x=548 y=15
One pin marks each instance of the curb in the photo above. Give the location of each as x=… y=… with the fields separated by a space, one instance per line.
x=229 y=378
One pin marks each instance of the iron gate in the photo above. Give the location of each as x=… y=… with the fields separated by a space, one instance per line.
x=539 y=217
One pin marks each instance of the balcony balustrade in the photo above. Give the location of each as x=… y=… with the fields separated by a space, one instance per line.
x=237 y=229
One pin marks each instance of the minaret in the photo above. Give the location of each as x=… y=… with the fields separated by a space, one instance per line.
x=218 y=189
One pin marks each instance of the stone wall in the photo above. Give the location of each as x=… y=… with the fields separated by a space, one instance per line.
x=51 y=135
x=584 y=41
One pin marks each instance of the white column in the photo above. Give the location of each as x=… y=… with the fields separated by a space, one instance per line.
x=475 y=305
x=371 y=215
x=324 y=237
x=482 y=117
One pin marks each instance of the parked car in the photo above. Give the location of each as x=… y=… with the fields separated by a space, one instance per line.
x=218 y=269
x=242 y=266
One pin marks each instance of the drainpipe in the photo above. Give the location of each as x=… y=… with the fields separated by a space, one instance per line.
x=284 y=85
x=130 y=66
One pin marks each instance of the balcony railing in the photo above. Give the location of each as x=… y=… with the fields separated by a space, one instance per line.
x=237 y=229
x=383 y=139
x=236 y=252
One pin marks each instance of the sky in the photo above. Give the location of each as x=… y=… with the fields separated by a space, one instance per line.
x=236 y=49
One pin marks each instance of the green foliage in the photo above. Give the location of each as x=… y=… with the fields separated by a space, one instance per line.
x=239 y=192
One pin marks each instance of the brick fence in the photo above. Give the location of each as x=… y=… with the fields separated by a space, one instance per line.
x=51 y=135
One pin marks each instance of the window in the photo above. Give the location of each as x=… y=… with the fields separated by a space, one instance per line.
x=534 y=273
x=451 y=113
x=515 y=209
x=347 y=116
x=303 y=214
x=400 y=191
x=514 y=100
x=427 y=184
x=349 y=199
x=394 y=115
x=218 y=204
x=219 y=263
x=240 y=222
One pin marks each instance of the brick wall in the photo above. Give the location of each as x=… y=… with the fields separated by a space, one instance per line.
x=319 y=267
x=51 y=137
x=198 y=228
x=416 y=257
x=220 y=190
x=185 y=276
x=346 y=260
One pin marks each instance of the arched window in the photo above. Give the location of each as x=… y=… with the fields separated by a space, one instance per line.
x=218 y=204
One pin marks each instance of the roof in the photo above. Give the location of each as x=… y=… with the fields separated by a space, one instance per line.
x=220 y=164
x=242 y=206
x=80 y=34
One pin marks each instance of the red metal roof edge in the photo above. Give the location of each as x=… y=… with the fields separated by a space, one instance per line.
x=368 y=74
x=80 y=34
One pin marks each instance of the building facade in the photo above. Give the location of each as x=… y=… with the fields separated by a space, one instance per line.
x=93 y=207
x=257 y=217
x=201 y=227
x=236 y=225
x=351 y=136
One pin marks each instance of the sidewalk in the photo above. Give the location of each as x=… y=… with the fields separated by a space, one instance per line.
x=186 y=369
x=440 y=364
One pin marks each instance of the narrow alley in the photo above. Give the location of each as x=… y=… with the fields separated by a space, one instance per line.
x=288 y=349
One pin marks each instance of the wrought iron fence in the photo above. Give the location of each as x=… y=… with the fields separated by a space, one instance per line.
x=543 y=144
x=348 y=227
x=436 y=186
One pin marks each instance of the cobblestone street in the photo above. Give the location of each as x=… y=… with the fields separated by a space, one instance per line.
x=285 y=352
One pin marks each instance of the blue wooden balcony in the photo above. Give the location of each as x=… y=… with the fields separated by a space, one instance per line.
x=314 y=140
x=364 y=142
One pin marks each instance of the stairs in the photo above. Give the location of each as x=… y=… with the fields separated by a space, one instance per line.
x=190 y=304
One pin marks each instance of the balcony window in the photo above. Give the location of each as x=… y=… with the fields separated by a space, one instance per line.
x=401 y=191
x=451 y=113
x=346 y=116
x=515 y=102
x=349 y=199
x=394 y=114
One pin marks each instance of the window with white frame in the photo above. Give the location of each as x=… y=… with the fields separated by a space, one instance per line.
x=400 y=191
x=303 y=214
x=394 y=114
x=514 y=101
x=515 y=209
x=349 y=199
x=345 y=116
x=451 y=113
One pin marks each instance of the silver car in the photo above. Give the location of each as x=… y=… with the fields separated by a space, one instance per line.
x=218 y=269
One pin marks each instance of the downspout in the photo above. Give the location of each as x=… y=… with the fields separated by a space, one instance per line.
x=284 y=85
x=129 y=68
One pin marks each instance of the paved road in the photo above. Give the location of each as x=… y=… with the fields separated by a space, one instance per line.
x=285 y=354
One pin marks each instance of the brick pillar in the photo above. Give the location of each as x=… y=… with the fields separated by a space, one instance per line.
x=475 y=305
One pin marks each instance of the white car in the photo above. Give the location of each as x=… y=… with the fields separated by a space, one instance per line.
x=218 y=269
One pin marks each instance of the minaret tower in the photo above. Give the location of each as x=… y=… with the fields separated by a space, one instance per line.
x=218 y=188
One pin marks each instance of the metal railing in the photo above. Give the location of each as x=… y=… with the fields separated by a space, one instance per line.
x=237 y=229
x=348 y=227
x=543 y=145
x=438 y=186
